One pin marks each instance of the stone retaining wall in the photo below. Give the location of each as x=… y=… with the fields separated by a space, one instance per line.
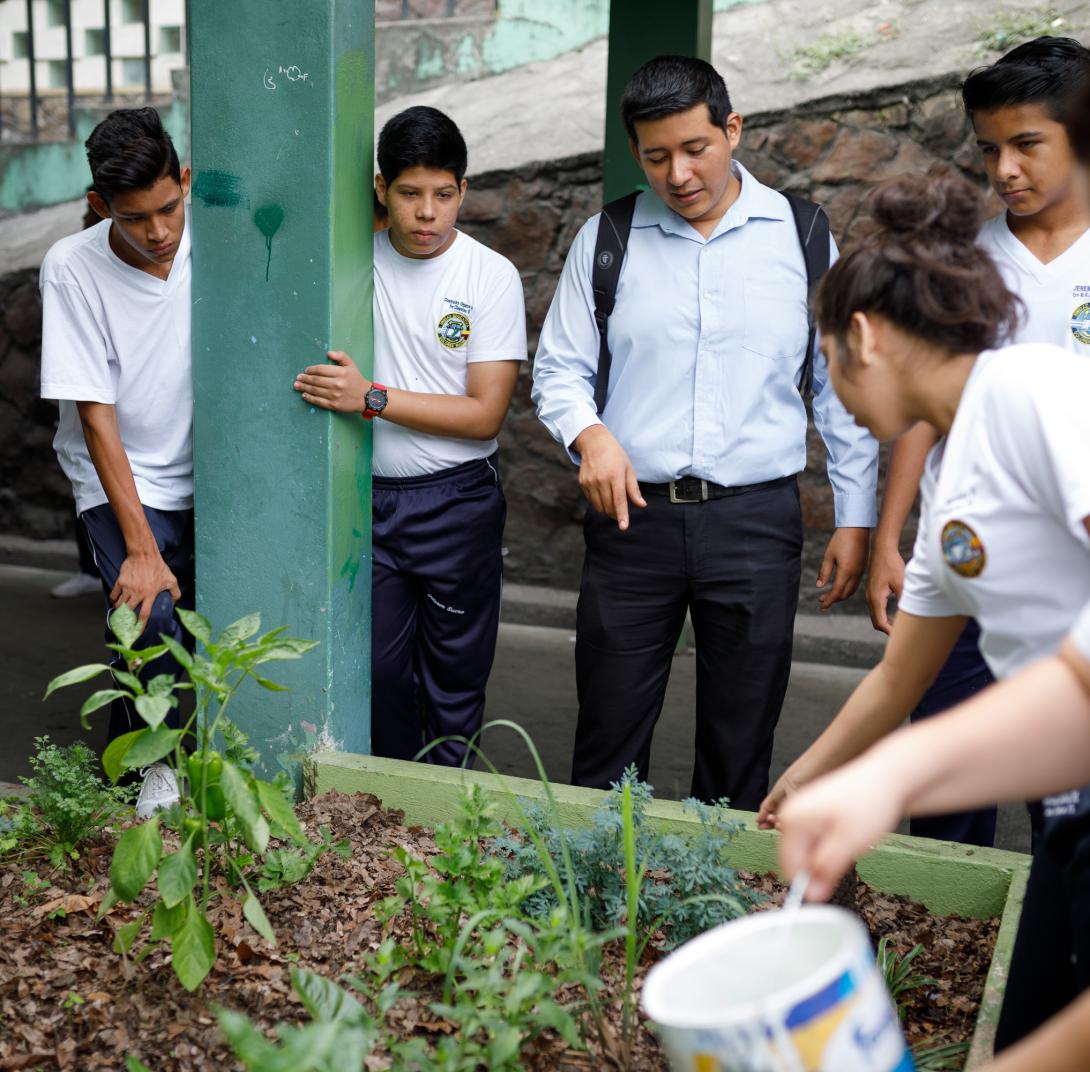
x=833 y=151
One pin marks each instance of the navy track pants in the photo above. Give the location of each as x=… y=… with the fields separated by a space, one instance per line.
x=173 y=532
x=436 y=577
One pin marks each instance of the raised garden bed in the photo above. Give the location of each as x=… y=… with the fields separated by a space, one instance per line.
x=945 y=878
x=68 y=1002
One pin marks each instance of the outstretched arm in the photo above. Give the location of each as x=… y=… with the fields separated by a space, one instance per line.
x=916 y=652
x=886 y=576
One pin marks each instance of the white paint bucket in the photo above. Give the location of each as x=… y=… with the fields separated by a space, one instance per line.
x=777 y=992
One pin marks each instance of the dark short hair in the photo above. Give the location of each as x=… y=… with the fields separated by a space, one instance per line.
x=131 y=150
x=1048 y=71
x=421 y=137
x=921 y=268
x=667 y=85
x=1078 y=123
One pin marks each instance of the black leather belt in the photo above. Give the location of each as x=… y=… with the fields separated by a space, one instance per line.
x=691 y=489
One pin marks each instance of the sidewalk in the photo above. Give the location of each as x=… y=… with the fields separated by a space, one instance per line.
x=533 y=683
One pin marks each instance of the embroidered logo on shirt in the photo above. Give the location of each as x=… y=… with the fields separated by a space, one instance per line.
x=453 y=330
x=1080 y=323
x=962 y=549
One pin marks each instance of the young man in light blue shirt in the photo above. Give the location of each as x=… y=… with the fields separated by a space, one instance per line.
x=703 y=432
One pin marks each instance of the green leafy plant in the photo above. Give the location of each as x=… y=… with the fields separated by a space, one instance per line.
x=226 y=816
x=948 y=1058
x=67 y=804
x=693 y=887
x=1004 y=30
x=897 y=972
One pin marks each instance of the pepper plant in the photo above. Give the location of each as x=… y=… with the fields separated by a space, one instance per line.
x=225 y=815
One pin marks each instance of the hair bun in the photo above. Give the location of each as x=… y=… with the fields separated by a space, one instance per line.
x=937 y=206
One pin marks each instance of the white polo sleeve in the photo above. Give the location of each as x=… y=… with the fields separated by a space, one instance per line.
x=499 y=325
x=921 y=595
x=566 y=365
x=75 y=361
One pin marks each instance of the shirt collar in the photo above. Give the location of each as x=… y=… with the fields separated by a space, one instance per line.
x=756 y=201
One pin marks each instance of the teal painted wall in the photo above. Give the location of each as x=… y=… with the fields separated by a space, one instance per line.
x=282 y=98
x=49 y=173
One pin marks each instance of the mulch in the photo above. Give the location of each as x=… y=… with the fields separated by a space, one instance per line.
x=68 y=1002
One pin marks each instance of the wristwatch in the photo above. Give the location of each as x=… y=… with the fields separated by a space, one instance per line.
x=374 y=402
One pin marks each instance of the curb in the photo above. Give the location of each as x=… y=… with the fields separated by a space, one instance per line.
x=832 y=640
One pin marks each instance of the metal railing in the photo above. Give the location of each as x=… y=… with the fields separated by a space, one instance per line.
x=34 y=98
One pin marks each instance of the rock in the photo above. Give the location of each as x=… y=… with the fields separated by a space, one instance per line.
x=856 y=156
x=798 y=144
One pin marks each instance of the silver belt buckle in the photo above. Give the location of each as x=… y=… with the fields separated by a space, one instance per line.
x=674 y=496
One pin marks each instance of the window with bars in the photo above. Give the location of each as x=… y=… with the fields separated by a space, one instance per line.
x=132 y=10
x=132 y=71
x=55 y=12
x=58 y=74
x=170 y=40
x=20 y=45
x=94 y=42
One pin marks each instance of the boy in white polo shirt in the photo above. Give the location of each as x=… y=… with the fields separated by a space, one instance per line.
x=450 y=332
x=115 y=353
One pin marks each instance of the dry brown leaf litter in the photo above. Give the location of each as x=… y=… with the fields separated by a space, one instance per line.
x=68 y=1002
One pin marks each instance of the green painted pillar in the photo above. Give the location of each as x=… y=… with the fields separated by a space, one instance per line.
x=282 y=106
x=639 y=30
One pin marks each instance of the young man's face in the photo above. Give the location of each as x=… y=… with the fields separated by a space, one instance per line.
x=422 y=204
x=686 y=159
x=148 y=222
x=1027 y=156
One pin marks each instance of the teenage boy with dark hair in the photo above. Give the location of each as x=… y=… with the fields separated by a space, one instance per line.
x=116 y=354
x=704 y=431
x=450 y=333
x=1041 y=244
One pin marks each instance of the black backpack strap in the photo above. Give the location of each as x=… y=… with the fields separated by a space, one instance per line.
x=614 y=226
x=813 y=227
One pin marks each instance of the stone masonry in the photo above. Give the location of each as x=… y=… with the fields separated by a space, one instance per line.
x=833 y=151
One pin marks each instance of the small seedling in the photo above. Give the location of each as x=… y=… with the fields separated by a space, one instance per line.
x=823 y=53
x=897 y=972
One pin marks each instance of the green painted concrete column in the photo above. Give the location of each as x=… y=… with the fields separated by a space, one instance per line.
x=282 y=111
x=639 y=30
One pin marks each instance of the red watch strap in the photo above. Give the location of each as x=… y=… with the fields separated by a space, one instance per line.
x=369 y=413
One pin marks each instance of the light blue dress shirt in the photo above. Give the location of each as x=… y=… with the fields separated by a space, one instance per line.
x=708 y=338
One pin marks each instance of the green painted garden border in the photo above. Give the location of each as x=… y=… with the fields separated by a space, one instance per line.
x=949 y=879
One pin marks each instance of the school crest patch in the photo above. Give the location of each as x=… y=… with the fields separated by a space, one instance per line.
x=453 y=330
x=962 y=549
x=1080 y=323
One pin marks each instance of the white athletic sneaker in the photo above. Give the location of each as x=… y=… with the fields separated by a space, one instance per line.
x=159 y=791
x=79 y=584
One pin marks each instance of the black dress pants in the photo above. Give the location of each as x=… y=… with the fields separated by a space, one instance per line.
x=734 y=563
x=1050 y=965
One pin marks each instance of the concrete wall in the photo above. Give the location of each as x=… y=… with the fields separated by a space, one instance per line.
x=418 y=54
x=50 y=172
x=832 y=150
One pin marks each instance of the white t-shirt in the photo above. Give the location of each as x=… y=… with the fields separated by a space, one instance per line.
x=1056 y=296
x=433 y=317
x=1001 y=535
x=114 y=334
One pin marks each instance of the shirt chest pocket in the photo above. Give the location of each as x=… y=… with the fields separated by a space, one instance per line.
x=775 y=319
